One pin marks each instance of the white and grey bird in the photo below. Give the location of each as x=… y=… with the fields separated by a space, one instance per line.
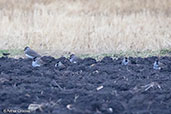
x=125 y=61
x=156 y=65
x=30 y=53
x=37 y=62
x=60 y=65
x=73 y=58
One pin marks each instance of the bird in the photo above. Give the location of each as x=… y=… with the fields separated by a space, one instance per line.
x=30 y=53
x=73 y=58
x=60 y=65
x=125 y=61
x=156 y=65
x=37 y=62
x=5 y=54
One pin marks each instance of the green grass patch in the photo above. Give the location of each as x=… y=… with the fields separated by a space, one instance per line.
x=165 y=51
x=12 y=52
x=147 y=53
x=3 y=51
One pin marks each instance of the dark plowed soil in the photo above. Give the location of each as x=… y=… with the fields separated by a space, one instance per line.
x=87 y=87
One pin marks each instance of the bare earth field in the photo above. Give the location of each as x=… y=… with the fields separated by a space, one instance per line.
x=87 y=87
x=86 y=26
x=93 y=30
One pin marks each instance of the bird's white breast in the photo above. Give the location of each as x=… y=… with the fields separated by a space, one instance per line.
x=35 y=64
x=31 y=57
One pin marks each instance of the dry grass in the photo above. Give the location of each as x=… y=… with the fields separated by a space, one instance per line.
x=86 y=26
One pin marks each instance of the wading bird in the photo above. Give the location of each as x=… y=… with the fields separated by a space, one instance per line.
x=125 y=61
x=156 y=65
x=30 y=53
x=60 y=65
x=37 y=62
x=74 y=59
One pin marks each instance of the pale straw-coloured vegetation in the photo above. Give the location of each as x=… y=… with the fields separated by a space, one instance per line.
x=86 y=26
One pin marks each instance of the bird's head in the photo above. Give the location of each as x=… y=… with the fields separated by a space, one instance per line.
x=126 y=59
x=34 y=59
x=72 y=55
x=157 y=61
x=26 y=48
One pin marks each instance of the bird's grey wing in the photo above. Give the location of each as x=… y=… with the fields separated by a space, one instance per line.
x=32 y=53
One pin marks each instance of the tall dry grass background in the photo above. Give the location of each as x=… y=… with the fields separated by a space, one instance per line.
x=86 y=26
